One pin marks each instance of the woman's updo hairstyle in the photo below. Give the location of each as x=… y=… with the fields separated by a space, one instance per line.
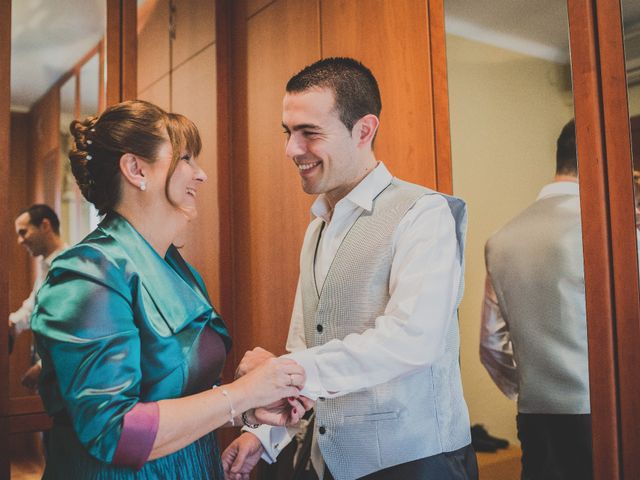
x=136 y=127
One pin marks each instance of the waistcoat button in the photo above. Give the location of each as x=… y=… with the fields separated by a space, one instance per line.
x=319 y=328
x=322 y=430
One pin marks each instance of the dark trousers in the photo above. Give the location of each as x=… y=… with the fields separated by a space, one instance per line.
x=555 y=447
x=457 y=465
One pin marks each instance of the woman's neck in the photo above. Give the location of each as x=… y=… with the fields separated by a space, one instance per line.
x=159 y=228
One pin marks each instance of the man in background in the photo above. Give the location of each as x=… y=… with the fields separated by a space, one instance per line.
x=38 y=230
x=533 y=338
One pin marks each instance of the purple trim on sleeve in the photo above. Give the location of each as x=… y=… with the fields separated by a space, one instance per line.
x=139 y=429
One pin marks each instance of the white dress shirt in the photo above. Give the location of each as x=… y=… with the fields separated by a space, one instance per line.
x=423 y=288
x=496 y=349
x=20 y=318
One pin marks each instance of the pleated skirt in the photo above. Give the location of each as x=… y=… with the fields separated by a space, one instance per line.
x=67 y=459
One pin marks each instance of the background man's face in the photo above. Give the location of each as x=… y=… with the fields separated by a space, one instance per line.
x=319 y=143
x=29 y=236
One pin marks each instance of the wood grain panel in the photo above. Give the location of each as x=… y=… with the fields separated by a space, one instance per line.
x=195 y=22
x=596 y=240
x=254 y=6
x=36 y=422
x=201 y=245
x=623 y=231
x=153 y=45
x=158 y=93
x=21 y=262
x=440 y=95
x=271 y=211
x=129 y=52
x=392 y=39
x=45 y=144
x=5 y=227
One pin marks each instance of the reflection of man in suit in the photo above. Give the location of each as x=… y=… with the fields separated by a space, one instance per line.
x=38 y=231
x=534 y=332
x=374 y=321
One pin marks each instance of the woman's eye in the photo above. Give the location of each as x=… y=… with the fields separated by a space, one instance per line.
x=186 y=158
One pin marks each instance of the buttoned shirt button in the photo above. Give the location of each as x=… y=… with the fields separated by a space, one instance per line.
x=322 y=430
x=319 y=328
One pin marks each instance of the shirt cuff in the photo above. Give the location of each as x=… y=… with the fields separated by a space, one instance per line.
x=273 y=440
x=313 y=388
x=139 y=429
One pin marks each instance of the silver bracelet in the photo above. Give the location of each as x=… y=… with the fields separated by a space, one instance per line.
x=232 y=411
x=247 y=423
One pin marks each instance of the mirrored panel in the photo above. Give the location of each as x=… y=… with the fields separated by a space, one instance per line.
x=56 y=56
x=514 y=162
x=631 y=31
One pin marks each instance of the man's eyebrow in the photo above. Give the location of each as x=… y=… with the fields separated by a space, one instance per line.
x=302 y=126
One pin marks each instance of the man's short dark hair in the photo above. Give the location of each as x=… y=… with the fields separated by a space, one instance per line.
x=38 y=212
x=566 y=157
x=354 y=87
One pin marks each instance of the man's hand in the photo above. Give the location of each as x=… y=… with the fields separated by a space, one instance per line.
x=30 y=378
x=252 y=359
x=12 y=335
x=241 y=456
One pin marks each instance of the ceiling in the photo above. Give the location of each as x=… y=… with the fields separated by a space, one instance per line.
x=538 y=28
x=49 y=36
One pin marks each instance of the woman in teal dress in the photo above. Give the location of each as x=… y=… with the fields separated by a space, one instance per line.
x=130 y=344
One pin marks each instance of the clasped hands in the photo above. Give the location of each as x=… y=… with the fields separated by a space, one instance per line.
x=283 y=412
x=243 y=454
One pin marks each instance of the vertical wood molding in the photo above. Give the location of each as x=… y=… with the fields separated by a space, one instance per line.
x=224 y=52
x=121 y=45
x=596 y=240
x=609 y=236
x=5 y=228
x=112 y=40
x=619 y=167
x=129 y=50
x=440 y=92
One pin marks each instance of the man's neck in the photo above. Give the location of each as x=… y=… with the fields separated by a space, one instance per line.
x=54 y=245
x=565 y=178
x=367 y=167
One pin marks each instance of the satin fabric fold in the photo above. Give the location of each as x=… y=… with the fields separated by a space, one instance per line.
x=117 y=324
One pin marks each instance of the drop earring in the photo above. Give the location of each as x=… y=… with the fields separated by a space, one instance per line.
x=143 y=185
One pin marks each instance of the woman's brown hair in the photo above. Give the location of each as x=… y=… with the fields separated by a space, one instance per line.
x=136 y=127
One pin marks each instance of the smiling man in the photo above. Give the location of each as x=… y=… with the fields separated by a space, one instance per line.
x=374 y=320
x=38 y=231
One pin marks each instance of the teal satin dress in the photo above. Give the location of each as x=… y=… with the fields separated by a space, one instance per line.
x=117 y=324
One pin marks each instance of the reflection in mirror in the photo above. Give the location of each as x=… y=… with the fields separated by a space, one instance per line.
x=631 y=30
x=56 y=58
x=510 y=98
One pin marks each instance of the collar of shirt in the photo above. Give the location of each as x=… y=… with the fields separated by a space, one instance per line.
x=361 y=196
x=559 y=188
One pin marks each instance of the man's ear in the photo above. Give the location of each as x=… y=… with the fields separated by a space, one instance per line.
x=365 y=129
x=45 y=225
x=132 y=169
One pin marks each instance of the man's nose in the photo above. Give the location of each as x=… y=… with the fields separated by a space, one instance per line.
x=294 y=147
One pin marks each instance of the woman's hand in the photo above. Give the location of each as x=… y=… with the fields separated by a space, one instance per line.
x=274 y=379
x=252 y=359
x=283 y=413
